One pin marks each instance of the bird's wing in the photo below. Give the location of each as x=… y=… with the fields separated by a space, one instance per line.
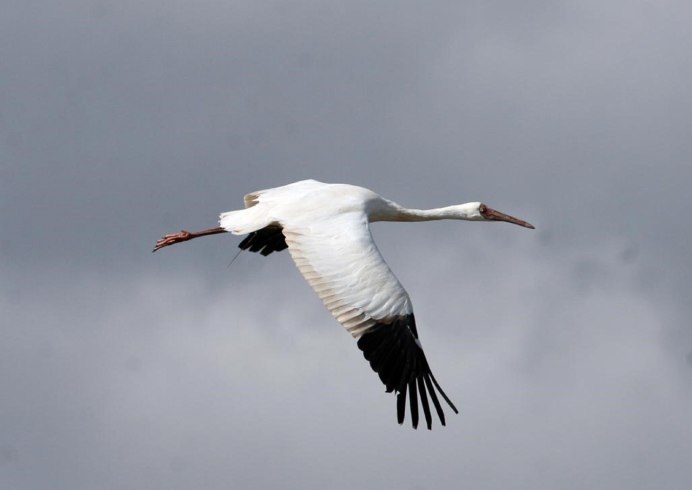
x=340 y=260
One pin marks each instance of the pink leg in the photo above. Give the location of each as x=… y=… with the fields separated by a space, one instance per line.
x=183 y=236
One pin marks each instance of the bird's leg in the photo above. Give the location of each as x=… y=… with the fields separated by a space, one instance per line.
x=183 y=236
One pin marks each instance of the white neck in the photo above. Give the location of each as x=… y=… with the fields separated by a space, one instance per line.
x=393 y=212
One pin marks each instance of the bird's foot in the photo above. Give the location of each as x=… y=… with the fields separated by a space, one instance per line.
x=170 y=239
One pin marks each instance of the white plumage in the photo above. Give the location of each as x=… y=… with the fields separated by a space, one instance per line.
x=326 y=230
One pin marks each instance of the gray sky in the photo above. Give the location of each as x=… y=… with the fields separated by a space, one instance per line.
x=568 y=350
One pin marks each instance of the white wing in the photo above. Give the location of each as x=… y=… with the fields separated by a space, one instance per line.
x=338 y=257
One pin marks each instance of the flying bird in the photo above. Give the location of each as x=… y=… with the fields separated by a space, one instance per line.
x=326 y=228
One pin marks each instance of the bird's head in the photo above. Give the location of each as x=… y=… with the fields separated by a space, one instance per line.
x=477 y=211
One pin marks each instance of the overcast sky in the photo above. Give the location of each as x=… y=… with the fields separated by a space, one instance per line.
x=567 y=349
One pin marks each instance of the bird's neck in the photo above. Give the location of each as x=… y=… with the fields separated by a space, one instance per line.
x=395 y=212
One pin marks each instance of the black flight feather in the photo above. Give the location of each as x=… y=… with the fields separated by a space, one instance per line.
x=391 y=347
x=265 y=240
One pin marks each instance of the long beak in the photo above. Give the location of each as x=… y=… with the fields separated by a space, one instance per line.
x=493 y=215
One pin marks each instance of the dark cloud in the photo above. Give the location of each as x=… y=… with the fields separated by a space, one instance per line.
x=567 y=349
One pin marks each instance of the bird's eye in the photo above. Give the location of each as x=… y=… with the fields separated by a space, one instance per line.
x=482 y=208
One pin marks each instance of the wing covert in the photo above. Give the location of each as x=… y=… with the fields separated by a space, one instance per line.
x=339 y=259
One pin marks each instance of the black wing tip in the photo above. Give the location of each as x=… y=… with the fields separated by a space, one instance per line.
x=413 y=401
x=401 y=406
x=391 y=348
x=425 y=389
x=421 y=388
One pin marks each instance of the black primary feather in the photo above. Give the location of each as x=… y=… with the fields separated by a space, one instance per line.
x=392 y=348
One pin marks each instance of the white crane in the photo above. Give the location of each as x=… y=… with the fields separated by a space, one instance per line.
x=326 y=228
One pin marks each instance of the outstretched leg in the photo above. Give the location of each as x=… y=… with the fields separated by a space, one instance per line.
x=183 y=236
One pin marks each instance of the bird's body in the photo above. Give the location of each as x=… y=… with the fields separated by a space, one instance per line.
x=326 y=230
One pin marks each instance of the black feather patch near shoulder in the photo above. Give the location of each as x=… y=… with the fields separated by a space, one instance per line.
x=392 y=348
x=265 y=240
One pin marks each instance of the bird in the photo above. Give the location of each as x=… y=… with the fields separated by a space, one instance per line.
x=326 y=229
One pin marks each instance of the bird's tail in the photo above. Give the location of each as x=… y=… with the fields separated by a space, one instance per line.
x=243 y=221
